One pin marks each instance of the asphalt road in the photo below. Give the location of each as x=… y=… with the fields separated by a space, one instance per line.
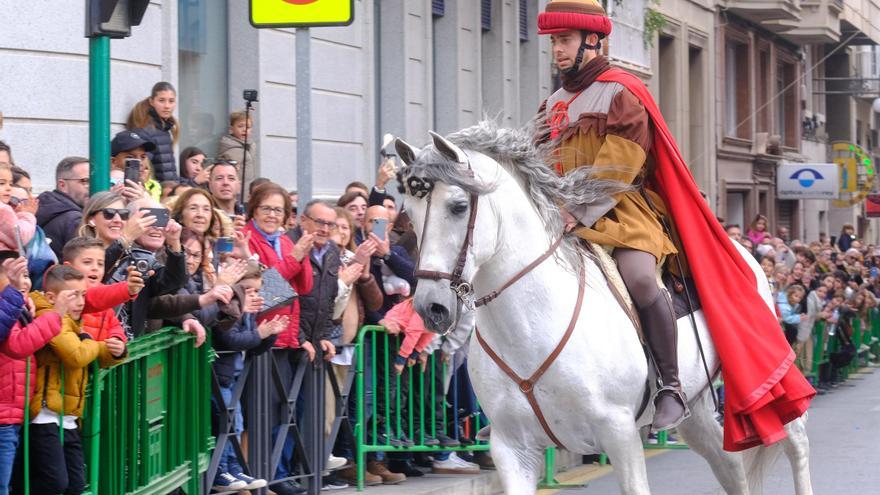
x=844 y=430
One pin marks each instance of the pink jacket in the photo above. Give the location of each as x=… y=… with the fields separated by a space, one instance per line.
x=15 y=352
x=27 y=225
x=416 y=336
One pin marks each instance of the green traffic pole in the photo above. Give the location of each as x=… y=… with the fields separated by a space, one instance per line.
x=99 y=114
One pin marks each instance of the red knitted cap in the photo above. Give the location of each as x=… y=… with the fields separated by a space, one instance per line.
x=577 y=15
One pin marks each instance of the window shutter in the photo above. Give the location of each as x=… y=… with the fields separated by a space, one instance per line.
x=523 y=20
x=486 y=14
x=438 y=7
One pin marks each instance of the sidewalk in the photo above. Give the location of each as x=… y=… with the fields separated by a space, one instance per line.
x=486 y=483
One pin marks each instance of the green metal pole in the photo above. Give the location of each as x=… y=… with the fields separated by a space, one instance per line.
x=99 y=114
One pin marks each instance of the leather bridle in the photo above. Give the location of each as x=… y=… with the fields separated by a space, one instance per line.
x=464 y=291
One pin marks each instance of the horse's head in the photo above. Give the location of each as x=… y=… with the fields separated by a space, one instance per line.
x=442 y=184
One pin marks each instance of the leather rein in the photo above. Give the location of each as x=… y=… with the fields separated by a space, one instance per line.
x=464 y=291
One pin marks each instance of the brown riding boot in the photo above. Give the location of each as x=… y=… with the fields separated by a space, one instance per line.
x=661 y=333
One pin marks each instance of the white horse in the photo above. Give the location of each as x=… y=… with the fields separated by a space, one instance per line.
x=590 y=395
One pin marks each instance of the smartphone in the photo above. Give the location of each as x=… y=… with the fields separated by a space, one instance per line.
x=380 y=225
x=223 y=245
x=161 y=215
x=873 y=272
x=133 y=170
x=21 y=249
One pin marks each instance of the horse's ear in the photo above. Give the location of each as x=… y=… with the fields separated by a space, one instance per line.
x=405 y=151
x=447 y=149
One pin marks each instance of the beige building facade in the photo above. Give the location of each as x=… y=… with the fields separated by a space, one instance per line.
x=747 y=85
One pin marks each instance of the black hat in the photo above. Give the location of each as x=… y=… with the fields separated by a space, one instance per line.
x=128 y=140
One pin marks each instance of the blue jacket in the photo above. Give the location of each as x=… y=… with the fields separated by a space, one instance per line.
x=229 y=344
x=11 y=305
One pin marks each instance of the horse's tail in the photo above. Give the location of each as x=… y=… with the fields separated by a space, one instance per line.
x=757 y=462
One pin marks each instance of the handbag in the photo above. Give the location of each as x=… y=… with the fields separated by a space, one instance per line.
x=276 y=292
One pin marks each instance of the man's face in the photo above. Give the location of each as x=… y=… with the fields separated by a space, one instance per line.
x=734 y=233
x=76 y=183
x=320 y=221
x=140 y=154
x=783 y=233
x=565 y=46
x=223 y=182
x=392 y=209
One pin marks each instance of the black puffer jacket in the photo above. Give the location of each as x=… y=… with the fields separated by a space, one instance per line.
x=164 y=166
x=59 y=216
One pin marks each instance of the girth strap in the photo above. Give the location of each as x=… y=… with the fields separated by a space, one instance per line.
x=527 y=385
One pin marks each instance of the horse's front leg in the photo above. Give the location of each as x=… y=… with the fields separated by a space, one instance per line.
x=519 y=467
x=619 y=438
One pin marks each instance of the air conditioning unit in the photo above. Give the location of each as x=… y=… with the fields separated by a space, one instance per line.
x=774 y=144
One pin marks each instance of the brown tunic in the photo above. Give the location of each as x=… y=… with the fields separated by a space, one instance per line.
x=609 y=129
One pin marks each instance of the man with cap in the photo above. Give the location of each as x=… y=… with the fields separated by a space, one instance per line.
x=605 y=118
x=133 y=144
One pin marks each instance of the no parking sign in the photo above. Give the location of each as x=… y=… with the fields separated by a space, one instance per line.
x=301 y=13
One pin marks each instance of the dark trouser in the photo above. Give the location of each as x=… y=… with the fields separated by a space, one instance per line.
x=638 y=270
x=56 y=468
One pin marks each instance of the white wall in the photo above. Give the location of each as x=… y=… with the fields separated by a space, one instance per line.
x=45 y=90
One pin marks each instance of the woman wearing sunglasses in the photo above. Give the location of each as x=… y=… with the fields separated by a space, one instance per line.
x=107 y=218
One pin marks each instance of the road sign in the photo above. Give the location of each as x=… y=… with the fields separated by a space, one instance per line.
x=301 y=13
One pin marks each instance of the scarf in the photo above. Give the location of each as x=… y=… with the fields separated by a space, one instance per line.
x=584 y=77
x=274 y=240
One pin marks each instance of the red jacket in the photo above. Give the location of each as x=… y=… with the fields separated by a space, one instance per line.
x=99 y=319
x=15 y=352
x=298 y=273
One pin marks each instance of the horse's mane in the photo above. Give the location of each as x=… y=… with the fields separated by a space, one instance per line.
x=516 y=152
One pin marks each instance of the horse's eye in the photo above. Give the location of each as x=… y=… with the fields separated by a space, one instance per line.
x=458 y=208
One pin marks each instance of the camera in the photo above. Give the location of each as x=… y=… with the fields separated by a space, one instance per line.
x=250 y=95
x=142 y=266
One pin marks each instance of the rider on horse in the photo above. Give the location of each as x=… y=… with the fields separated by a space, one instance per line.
x=605 y=118
x=603 y=125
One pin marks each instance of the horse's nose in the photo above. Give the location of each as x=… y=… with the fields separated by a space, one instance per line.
x=438 y=314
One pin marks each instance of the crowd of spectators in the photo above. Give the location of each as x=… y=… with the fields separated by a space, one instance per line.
x=83 y=273
x=832 y=280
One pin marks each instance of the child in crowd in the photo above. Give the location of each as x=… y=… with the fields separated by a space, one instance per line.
x=20 y=337
x=58 y=467
x=243 y=335
x=24 y=220
x=403 y=317
x=789 y=308
x=232 y=146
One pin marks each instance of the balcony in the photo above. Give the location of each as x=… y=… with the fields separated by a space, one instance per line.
x=820 y=23
x=761 y=11
x=860 y=22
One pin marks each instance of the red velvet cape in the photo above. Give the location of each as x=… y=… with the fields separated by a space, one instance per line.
x=763 y=390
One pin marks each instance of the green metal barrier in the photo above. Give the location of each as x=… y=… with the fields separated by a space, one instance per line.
x=410 y=405
x=146 y=428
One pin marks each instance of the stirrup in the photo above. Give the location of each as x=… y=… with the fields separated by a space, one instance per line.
x=678 y=394
x=484 y=433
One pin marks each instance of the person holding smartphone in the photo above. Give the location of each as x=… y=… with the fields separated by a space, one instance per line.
x=127 y=147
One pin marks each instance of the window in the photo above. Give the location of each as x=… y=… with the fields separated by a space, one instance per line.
x=764 y=85
x=486 y=14
x=523 y=20
x=438 y=8
x=789 y=112
x=737 y=119
x=203 y=84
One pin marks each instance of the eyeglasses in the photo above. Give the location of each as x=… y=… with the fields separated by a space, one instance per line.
x=83 y=181
x=234 y=163
x=109 y=213
x=321 y=223
x=196 y=255
x=266 y=210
